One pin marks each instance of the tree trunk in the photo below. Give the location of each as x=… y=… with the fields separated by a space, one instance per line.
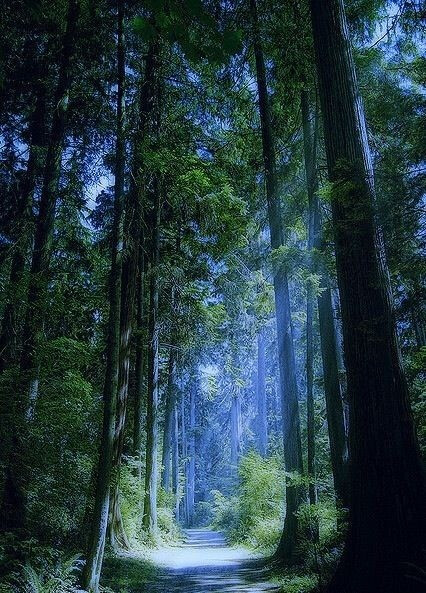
x=333 y=394
x=175 y=459
x=287 y=364
x=262 y=416
x=328 y=338
x=151 y=470
x=309 y=153
x=139 y=366
x=168 y=421
x=96 y=544
x=184 y=456
x=235 y=431
x=387 y=520
x=191 y=454
x=13 y=508
x=128 y=293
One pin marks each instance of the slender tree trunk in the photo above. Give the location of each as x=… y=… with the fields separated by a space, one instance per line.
x=139 y=366
x=168 y=421
x=262 y=415
x=13 y=508
x=387 y=523
x=175 y=459
x=309 y=150
x=151 y=469
x=328 y=338
x=333 y=394
x=191 y=453
x=287 y=364
x=184 y=455
x=235 y=431
x=96 y=543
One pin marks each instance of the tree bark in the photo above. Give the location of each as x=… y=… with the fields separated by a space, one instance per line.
x=191 y=453
x=184 y=456
x=168 y=421
x=175 y=460
x=287 y=364
x=13 y=507
x=128 y=293
x=139 y=364
x=309 y=154
x=387 y=519
x=333 y=394
x=151 y=469
x=235 y=431
x=96 y=543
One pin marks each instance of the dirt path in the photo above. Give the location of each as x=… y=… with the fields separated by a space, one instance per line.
x=204 y=563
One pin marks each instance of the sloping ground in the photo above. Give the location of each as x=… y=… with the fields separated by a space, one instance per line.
x=204 y=563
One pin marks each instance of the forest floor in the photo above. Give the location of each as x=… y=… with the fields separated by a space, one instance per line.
x=202 y=563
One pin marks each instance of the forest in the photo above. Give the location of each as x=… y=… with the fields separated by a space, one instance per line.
x=212 y=296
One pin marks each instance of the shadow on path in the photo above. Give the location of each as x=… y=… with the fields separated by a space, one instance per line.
x=205 y=563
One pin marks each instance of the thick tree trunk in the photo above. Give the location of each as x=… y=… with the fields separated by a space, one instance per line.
x=168 y=422
x=151 y=466
x=286 y=357
x=13 y=508
x=97 y=535
x=262 y=416
x=128 y=293
x=387 y=515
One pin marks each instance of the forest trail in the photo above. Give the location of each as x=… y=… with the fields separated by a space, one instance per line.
x=204 y=562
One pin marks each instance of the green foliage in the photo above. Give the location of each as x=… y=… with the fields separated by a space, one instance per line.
x=297 y=583
x=60 y=577
x=254 y=516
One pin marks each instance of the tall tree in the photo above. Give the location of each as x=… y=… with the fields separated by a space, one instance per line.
x=139 y=362
x=287 y=364
x=13 y=508
x=169 y=419
x=191 y=451
x=99 y=522
x=309 y=150
x=386 y=471
x=151 y=464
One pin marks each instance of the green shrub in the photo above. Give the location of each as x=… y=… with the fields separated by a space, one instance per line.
x=254 y=516
x=298 y=583
x=60 y=577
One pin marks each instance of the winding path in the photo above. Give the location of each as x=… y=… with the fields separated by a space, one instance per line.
x=205 y=563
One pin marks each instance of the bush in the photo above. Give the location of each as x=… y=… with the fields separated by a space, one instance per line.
x=60 y=577
x=254 y=516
